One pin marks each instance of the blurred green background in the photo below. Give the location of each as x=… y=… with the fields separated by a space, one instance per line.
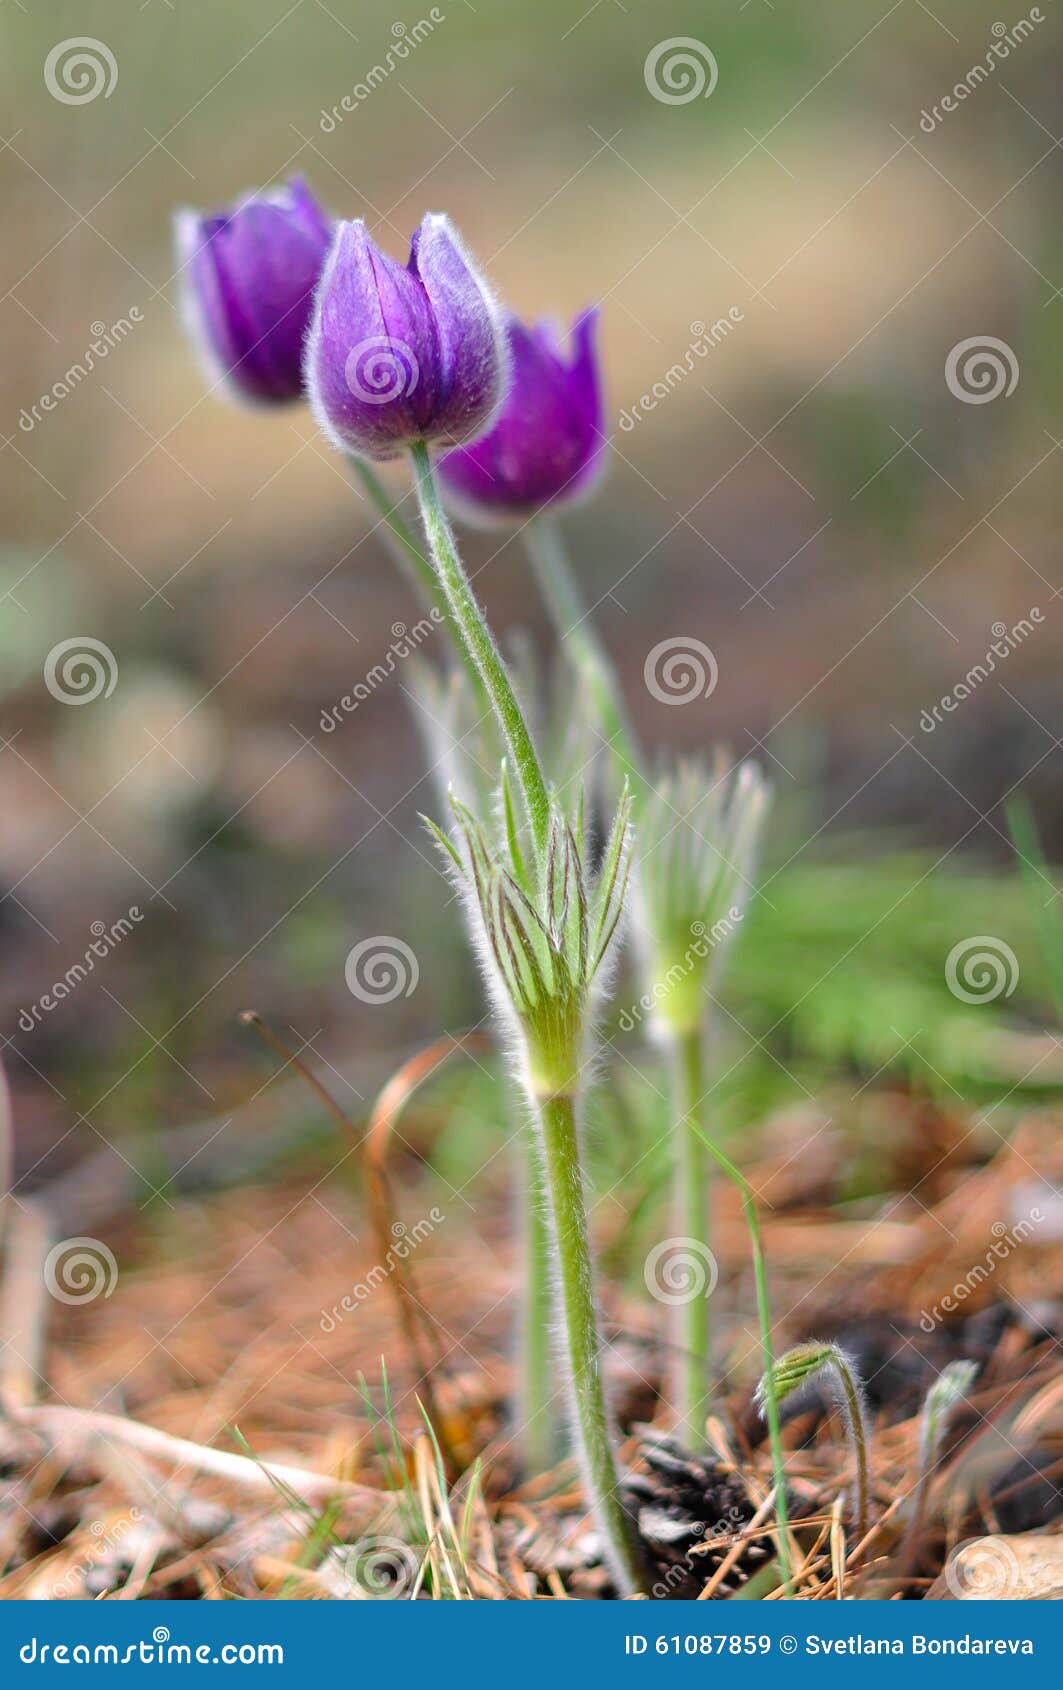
x=812 y=501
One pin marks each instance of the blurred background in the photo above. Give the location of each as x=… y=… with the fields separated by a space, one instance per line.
x=811 y=497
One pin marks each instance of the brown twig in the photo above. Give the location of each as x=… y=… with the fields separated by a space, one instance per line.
x=383 y=1119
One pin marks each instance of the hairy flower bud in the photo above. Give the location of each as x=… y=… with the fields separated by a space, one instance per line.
x=249 y=275
x=400 y=354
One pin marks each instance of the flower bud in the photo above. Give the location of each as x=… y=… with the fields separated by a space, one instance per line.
x=403 y=353
x=249 y=275
x=545 y=447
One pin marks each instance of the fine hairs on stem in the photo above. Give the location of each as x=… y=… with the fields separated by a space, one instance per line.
x=476 y=636
x=538 y=1429
x=542 y=933
x=803 y=1366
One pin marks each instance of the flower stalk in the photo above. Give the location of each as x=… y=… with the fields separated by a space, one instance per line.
x=802 y=1366
x=544 y=952
x=692 y=1188
x=476 y=637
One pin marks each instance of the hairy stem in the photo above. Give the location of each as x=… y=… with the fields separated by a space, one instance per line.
x=415 y=565
x=536 y=1420
x=771 y=1402
x=582 y=1342
x=853 y=1414
x=690 y=1175
x=476 y=636
x=538 y=1428
x=578 y=635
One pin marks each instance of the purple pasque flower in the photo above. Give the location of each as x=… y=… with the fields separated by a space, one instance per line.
x=545 y=447
x=403 y=353
x=249 y=274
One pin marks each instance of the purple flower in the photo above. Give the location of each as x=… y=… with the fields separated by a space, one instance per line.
x=403 y=353
x=546 y=443
x=249 y=278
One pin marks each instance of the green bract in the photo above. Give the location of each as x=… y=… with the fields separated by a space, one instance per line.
x=546 y=937
x=699 y=830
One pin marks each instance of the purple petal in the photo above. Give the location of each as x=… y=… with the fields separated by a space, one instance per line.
x=374 y=359
x=249 y=279
x=471 y=336
x=546 y=444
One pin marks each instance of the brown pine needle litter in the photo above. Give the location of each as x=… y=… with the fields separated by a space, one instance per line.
x=223 y=1423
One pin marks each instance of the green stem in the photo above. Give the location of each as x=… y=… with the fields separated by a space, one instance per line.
x=476 y=637
x=583 y=1350
x=854 y=1414
x=577 y=633
x=691 y=1170
x=413 y=563
x=536 y=1418
x=771 y=1402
